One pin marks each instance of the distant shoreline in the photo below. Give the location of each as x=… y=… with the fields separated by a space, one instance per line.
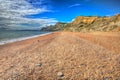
x=22 y=38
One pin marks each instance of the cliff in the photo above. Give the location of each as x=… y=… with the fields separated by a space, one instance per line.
x=88 y=24
x=56 y=27
x=82 y=19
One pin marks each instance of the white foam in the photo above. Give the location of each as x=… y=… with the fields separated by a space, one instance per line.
x=23 y=38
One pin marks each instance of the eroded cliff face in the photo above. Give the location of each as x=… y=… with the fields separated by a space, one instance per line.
x=117 y=17
x=82 y=19
x=88 y=24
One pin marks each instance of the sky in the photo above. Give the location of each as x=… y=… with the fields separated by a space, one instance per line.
x=34 y=14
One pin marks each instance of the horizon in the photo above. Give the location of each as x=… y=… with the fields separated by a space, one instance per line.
x=35 y=14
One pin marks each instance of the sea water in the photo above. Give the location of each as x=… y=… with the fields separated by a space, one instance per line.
x=8 y=36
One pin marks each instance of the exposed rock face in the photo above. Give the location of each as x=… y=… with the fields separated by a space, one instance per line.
x=82 y=19
x=88 y=24
x=56 y=27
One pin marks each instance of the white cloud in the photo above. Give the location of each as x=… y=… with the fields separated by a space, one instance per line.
x=73 y=20
x=13 y=12
x=74 y=5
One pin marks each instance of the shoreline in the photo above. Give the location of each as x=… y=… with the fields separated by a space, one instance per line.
x=37 y=36
x=22 y=38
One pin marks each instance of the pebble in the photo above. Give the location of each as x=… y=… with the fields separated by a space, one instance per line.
x=39 y=65
x=16 y=74
x=107 y=78
x=1 y=78
x=38 y=40
x=84 y=65
x=60 y=74
x=118 y=78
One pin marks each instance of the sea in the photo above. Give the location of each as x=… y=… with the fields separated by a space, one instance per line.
x=9 y=36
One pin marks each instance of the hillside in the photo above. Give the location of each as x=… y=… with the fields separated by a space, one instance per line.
x=56 y=27
x=88 y=24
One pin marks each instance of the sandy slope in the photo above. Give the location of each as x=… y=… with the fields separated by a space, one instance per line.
x=79 y=56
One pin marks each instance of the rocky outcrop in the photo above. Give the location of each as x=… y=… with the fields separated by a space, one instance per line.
x=56 y=27
x=88 y=24
x=82 y=19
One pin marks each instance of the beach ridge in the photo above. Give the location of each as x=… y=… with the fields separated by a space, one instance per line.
x=62 y=55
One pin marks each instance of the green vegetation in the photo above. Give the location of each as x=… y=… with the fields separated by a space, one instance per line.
x=88 y=24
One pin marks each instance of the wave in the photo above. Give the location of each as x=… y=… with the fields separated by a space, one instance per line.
x=22 y=38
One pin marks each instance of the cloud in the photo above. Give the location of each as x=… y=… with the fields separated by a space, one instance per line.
x=73 y=20
x=74 y=5
x=13 y=12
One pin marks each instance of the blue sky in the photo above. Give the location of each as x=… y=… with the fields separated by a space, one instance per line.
x=66 y=10
x=34 y=14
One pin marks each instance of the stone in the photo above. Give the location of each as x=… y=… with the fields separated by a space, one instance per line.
x=39 y=65
x=60 y=74
x=1 y=78
x=117 y=78
x=107 y=78
x=15 y=74
x=38 y=40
